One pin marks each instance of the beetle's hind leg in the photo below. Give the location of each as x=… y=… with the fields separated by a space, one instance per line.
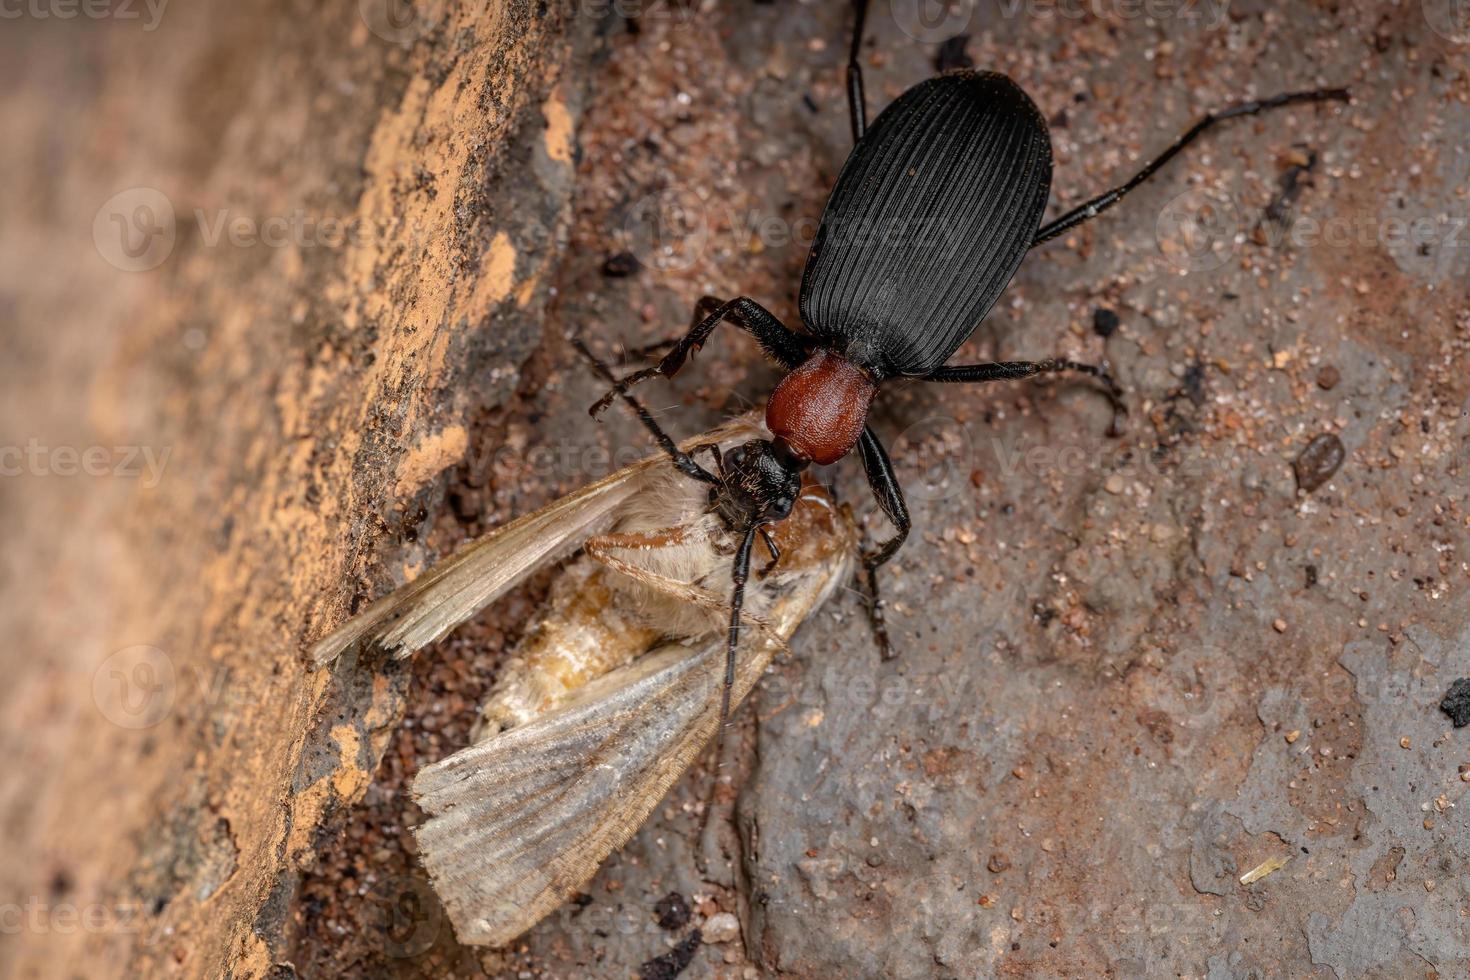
x=1107 y=199
x=884 y=484
x=1020 y=370
x=857 y=107
x=775 y=338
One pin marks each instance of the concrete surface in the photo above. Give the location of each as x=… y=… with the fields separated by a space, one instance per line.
x=1132 y=669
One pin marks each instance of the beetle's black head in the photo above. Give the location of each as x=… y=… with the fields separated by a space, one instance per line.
x=761 y=482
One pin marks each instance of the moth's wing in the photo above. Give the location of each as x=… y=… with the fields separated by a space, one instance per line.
x=522 y=821
x=419 y=612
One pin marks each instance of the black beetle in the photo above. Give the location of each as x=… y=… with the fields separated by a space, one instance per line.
x=929 y=219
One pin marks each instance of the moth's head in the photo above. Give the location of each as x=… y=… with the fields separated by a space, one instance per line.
x=760 y=484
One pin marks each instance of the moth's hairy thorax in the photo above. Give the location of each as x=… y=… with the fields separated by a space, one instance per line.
x=672 y=501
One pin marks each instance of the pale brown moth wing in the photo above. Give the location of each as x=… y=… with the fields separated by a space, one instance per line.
x=419 y=612
x=522 y=821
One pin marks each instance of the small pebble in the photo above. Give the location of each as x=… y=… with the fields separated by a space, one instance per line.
x=1406 y=742
x=1293 y=735
x=721 y=928
x=1279 y=626
x=1114 y=484
x=1316 y=464
x=1328 y=377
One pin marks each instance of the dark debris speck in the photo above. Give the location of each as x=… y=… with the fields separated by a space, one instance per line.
x=674 y=962
x=672 y=911
x=621 y=265
x=951 y=54
x=1104 y=321
x=1456 y=702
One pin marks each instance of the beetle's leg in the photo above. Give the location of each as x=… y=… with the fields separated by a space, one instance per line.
x=890 y=497
x=775 y=338
x=1018 y=370
x=684 y=462
x=1107 y=199
x=703 y=308
x=857 y=105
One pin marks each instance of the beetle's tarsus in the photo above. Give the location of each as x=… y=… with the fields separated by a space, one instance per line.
x=875 y=612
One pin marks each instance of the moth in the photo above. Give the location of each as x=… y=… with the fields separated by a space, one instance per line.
x=614 y=690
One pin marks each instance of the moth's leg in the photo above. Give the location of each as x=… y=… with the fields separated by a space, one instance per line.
x=601 y=549
x=1020 y=370
x=682 y=460
x=1107 y=199
x=776 y=339
x=599 y=545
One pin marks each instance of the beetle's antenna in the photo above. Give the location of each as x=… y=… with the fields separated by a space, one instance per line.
x=685 y=463
x=739 y=573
